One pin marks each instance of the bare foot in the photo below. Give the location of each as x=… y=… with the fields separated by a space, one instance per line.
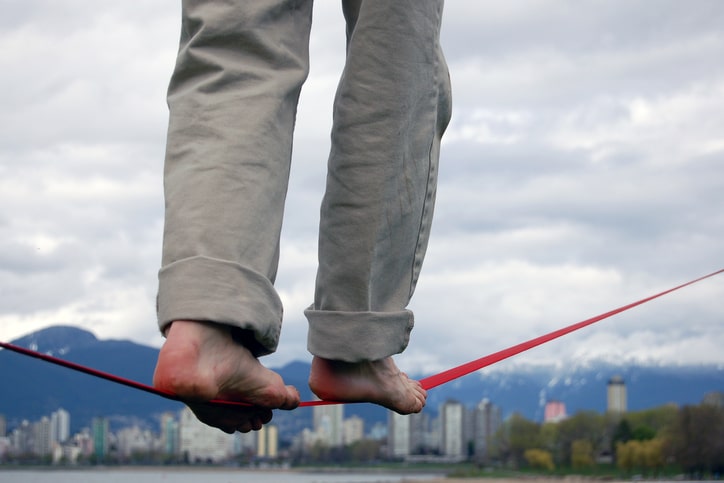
x=379 y=382
x=200 y=361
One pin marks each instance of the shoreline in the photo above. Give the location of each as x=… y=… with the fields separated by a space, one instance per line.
x=526 y=479
x=405 y=475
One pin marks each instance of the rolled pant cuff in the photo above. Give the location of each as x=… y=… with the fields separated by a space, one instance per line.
x=358 y=336
x=222 y=292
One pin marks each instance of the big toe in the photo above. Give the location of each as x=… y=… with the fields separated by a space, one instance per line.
x=292 y=398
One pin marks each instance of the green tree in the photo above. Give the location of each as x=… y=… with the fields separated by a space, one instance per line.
x=658 y=419
x=539 y=459
x=549 y=436
x=585 y=425
x=319 y=452
x=582 y=454
x=629 y=455
x=364 y=450
x=643 y=433
x=645 y=456
x=517 y=435
x=654 y=455
x=622 y=433
x=698 y=439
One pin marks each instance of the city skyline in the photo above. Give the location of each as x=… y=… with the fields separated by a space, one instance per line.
x=447 y=437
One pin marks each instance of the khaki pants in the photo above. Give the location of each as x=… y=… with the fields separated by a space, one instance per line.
x=233 y=99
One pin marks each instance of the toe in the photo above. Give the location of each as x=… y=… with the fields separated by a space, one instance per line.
x=292 y=398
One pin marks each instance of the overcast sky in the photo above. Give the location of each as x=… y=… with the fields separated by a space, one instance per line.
x=583 y=170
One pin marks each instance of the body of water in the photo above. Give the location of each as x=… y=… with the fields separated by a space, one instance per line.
x=194 y=475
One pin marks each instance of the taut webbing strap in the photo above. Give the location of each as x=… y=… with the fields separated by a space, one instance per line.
x=467 y=368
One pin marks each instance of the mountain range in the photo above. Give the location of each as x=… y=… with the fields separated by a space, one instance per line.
x=32 y=388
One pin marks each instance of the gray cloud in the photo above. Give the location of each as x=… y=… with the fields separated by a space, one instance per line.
x=581 y=171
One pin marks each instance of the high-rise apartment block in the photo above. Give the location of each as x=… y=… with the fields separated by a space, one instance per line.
x=169 y=434
x=616 y=390
x=100 y=434
x=487 y=419
x=398 y=435
x=452 y=418
x=267 y=442
x=42 y=444
x=59 y=426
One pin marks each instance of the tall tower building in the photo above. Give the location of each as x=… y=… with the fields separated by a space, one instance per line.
x=487 y=420
x=169 y=433
x=398 y=435
x=99 y=429
x=267 y=442
x=42 y=443
x=616 y=391
x=422 y=440
x=452 y=416
x=408 y=435
x=60 y=426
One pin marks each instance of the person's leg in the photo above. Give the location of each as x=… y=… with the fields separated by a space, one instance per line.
x=391 y=108
x=232 y=100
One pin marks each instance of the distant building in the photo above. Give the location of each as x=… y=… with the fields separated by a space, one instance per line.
x=84 y=441
x=422 y=439
x=267 y=445
x=67 y=453
x=3 y=426
x=60 y=426
x=398 y=435
x=715 y=399
x=410 y=435
x=42 y=444
x=378 y=431
x=4 y=446
x=487 y=420
x=21 y=438
x=555 y=411
x=328 y=424
x=245 y=443
x=353 y=430
x=100 y=435
x=169 y=434
x=616 y=391
x=201 y=443
x=133 y=440
x=452 y=441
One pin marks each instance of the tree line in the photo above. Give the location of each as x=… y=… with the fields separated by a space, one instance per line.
x=687 y=439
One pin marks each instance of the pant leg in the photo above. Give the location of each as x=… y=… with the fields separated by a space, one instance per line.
x=232 y=100
x=391 y=108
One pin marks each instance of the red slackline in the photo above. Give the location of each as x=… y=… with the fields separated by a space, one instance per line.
x=467 y=368
x=427 y=383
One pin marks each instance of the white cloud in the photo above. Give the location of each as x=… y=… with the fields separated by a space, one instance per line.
x=581 y=171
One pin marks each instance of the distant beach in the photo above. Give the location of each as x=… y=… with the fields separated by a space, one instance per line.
x=532 y=479
x=542 y=479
